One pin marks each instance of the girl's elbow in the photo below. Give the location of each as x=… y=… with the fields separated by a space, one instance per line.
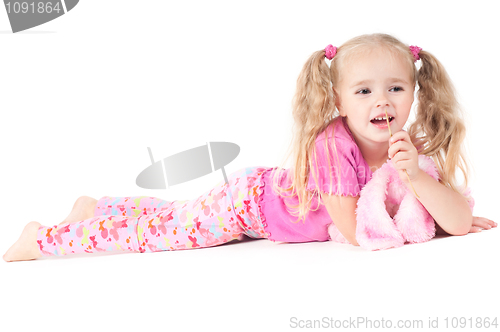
x=462 y=227
x=458 y=231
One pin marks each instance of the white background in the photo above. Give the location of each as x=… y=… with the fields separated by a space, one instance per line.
x=83 y=96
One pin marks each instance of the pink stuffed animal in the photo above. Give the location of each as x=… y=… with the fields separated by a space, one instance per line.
x=388 y=213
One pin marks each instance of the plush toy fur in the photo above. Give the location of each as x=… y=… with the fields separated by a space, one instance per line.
x=388 y=213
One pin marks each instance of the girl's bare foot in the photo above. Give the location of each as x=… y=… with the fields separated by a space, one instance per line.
x=83 y=209
x=26 y=248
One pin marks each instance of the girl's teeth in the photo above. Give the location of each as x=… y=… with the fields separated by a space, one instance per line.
x=384 y=118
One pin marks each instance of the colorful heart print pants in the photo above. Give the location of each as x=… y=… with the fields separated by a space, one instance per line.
x=149 y=224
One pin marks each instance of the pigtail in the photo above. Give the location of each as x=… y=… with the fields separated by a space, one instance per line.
x=438 y=116
x=313 y=109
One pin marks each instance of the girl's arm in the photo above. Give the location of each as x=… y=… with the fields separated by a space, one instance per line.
x=448 y=208
x=478 y=224
x=342 y=212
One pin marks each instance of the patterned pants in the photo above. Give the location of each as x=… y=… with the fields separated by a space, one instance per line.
x=149 y=224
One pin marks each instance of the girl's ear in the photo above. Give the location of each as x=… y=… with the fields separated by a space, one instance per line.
x=338 y=103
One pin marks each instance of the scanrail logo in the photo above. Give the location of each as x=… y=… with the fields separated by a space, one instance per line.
x=25 y=15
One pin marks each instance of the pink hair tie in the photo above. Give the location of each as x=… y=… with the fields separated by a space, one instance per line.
x=415 y=50
x=330 y=51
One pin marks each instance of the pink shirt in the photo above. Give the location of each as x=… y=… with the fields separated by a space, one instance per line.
x=354 y=174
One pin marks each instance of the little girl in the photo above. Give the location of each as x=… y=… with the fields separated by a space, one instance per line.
x=341 y=138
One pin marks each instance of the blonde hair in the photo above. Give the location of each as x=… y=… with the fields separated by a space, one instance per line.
x=438 y=129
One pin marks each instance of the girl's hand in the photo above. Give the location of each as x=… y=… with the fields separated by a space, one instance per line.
x=478 y=224
x=404 y=156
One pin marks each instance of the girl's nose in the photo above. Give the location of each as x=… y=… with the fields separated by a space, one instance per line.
x=382 y=101
x=383 y=104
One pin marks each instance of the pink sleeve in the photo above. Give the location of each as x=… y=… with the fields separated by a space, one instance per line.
x=467 y=193
x=328 y=171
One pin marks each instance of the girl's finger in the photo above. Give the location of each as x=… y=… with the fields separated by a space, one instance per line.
x=483 y=222
x=401 y=156
x=400 y=136
x=478 y=220
x=491 y=222
x=475 y=229
x=397 y=147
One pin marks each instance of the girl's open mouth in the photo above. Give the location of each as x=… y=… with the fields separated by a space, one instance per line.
x=381 y=122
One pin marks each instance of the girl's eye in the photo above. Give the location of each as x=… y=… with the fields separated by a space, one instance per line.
x=363 y=91
x=396 y=89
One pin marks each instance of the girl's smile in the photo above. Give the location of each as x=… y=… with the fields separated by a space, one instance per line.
x=380 y=121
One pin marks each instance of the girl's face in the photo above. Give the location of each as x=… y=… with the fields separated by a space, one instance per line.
x=369 y=85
